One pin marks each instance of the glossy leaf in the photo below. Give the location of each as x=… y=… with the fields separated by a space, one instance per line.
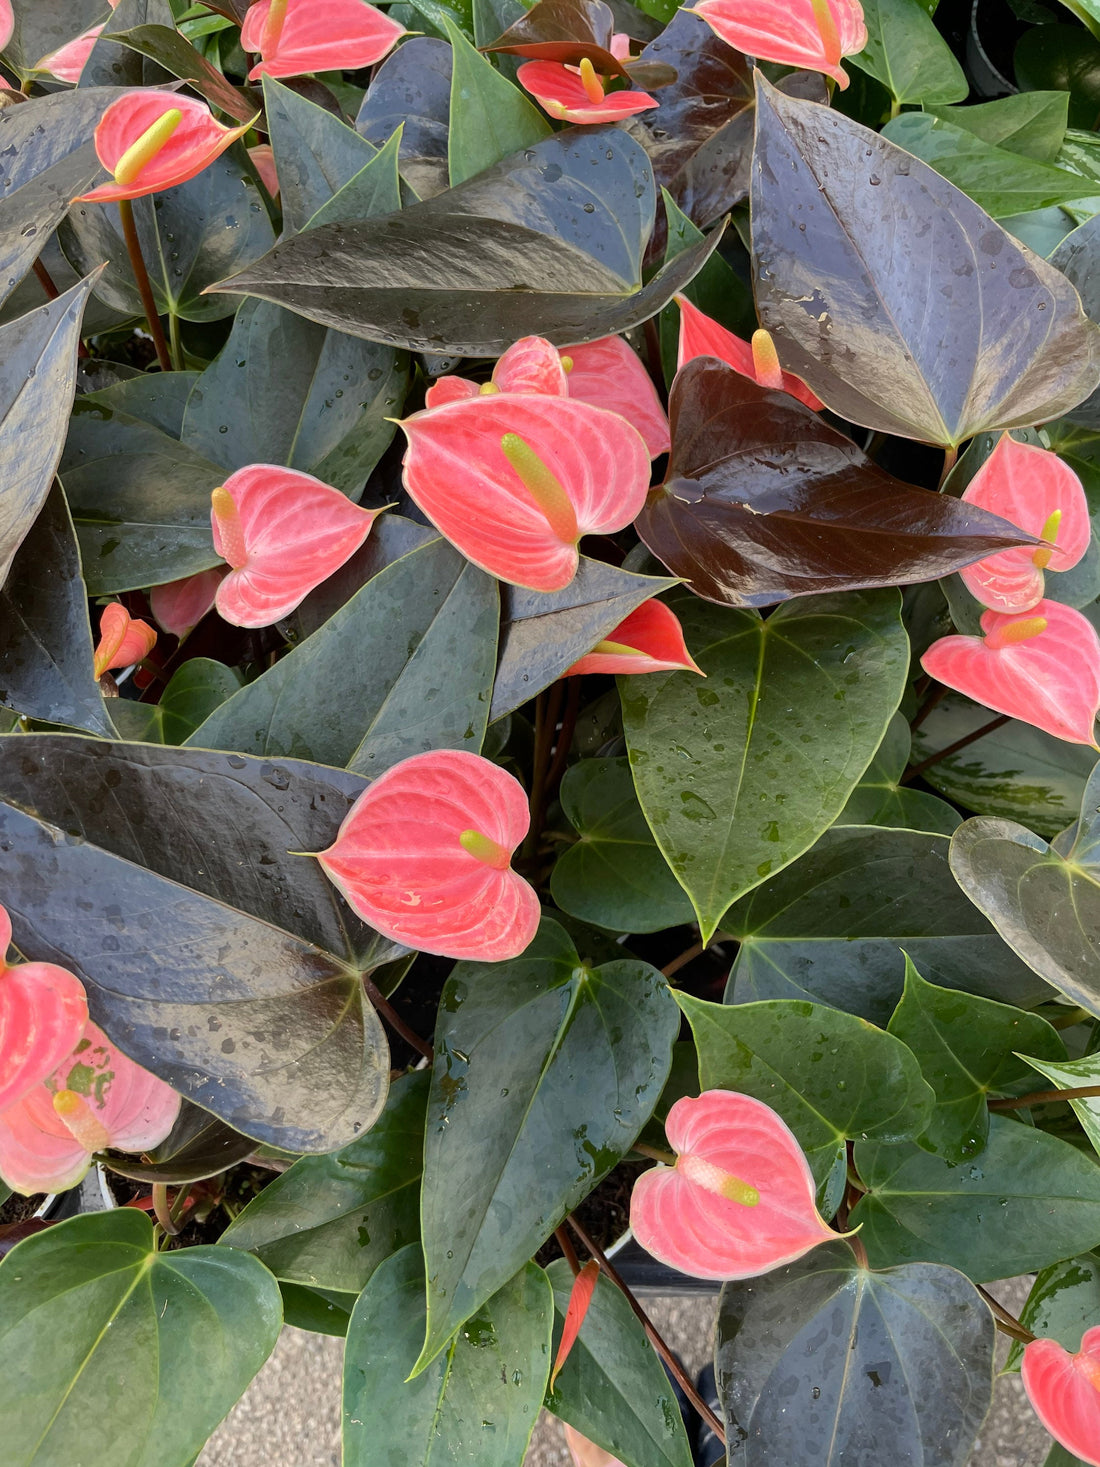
x=907 y=54
x=967 y=1048
x=1042 y=899
x=582 y=1054
x=869 y=349
x=1027 y=1201
x=613 y=1388
x=331 y=1220
x=193 y=692
x=169 y=49
x=824 y=1359
x=880 y=799
x=198 y=1146
x=246 y=1002
x=864 y=1082
x=542 y=634
x=315 y=153
x=821 y=677
x=1078 y=257
x=376 y=189
x=1069 y=1075
x=564 y=31
x=353 y=694
x=480 y=1400
x=39 y=29
x=37 y=381
x=411 y=90
x=831 y=928
x=764 y=501
x=45 y=637
x=1062 y=1304
x=586 y=264
x=614 y=876
x=91 y=1302
x=490 y=117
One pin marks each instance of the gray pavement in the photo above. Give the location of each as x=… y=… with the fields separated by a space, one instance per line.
x=290 y=1416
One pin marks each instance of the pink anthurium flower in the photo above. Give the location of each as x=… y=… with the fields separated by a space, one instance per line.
x=1064 y=1390
x=150 y=140
x=296 y=37
x=580 y=1297
x=43 y=1011
x=1041 y=666
x=424 y=855
x=180 y=605
x=96 y=1098
x=7 y=23
x=123 y=640
x=701 y=336
x=1030 y=487
x=531 y=365
x=577 y=93
x=585 y=1453
x=739 y=1199
x=812 y=34
x=515 y=479
x=650 y=639
x=262 y=157
x=608 y=374
x=67 y=62
x=283 y=533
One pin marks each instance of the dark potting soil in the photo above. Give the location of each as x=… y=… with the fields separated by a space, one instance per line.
x=20 y=1209
x=604 y=1214
x=209 y=1218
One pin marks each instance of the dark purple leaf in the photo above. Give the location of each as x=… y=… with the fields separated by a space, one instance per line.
x=414 y=88
x=566 y=31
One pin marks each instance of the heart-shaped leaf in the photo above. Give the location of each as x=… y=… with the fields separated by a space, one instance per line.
x=1032 y=124
x=831 y=928
x=547 y=242
x=111 y=64
x=612 y=1388
x=1063 y=1303
x=326 y=411
x=45 y=638
x=192 y=694
x=315 y=153
x=1043 y=899
x=880 y=799
x=565 y=31
x=91 y=1302
x=824 y=1361
x=236 y=978
x=411 y=90
x=967 y=1049
x=1068 y=1075
x=198 y=1146
x=907 y=54
x=353 y=694
x=37 y=381
x=764 y=501
x=820 y=679
x=331 y=1220
x=480 y=1400
x=848 y=254
x=546 y=1070
x=543 y=633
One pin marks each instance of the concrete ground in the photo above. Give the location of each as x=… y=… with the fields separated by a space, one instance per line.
x=290 y=1416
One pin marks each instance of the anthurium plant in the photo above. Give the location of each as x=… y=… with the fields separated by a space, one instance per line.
x=549 y=666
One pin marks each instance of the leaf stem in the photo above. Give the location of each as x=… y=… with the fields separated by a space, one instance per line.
x=45 y=280
x=565 y=1243
x=938 y=693
x=971 y=738
x=950 y=455
x=162 y=1211
x=178 y=362
x=547 y=711
x=141 y=280
x=681 y=960
x=1044 y=1097
x=668 y=1157
x=1005 y=1321
x=686 y=1384
x=395 y=1021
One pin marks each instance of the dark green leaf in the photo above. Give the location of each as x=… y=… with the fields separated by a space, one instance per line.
x=373 y=191
x=211 y=955
x=490 y=116
x=764 y=501
x=390 y=538
x=322 y=1312
x=198 y=1146
x=1069 y=1075
x=324 y=411
x=1027 y=1201
x=194 y=691
x=613 y=1389
x=1064 y=1302
x=156 y=398
x=89 y=1304
x=315 y=153
x=883 y=236
x=564 y=31
x=412 y=90
x=542 y=633
x=113 y=65
x=879 y=798
x=1043 y=899
x=331 y=1220
x=825 y=1362
x=1062 y=58
x=967 y=1050
x=477 y=1403
x=37 y=381
x=831 y=928
x=45 y=637
x=907 y=54
x=354 y=694
x=809 y=692
x=1032 y=124
x=40 y=28
x=1078 y=257
x=831 y=1076
x=614 y=875
x=164 y=45
x=547 y=242
x=717 y=290
x=545 y=1072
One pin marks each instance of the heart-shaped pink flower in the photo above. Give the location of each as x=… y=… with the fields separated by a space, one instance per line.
x=1041 y=666
x=812 y=34
x=1064 y=1390
x=701 y=336
x=424 y=856
x=740 y=1199
x=7 y=23
x=123 y=639
x=43 y=1010
x=650 y=639
x=296 y=37
x=576 y=94
x=283 y=533
x=608 y=374
x=180 y=605
x=151 y=140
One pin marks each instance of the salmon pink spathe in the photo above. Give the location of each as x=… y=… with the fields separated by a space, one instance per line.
x=123 y=639
x=43 y=1011
x=296 y=37
x=811 y=34
x=424 y=856
x=740 y=1198
x=180 y=605
x=650 y=639
x=576 y=94
x=152 y=140
x=1064 y=1390
x=282 y=533
x=608 y=374
x=7 y=22
x=701 y=336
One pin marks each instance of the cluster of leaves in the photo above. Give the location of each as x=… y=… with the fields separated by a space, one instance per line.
x=867 y=905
